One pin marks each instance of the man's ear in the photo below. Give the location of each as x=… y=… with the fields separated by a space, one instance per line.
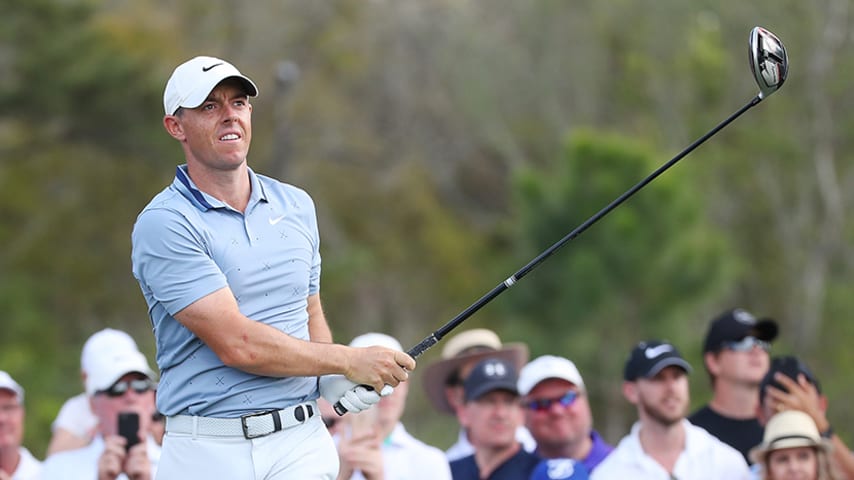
x=630 y=391
x=711 y=361
x=173 y=126
x=463 y=416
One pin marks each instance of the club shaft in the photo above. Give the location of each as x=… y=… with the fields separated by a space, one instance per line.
x=434 y=337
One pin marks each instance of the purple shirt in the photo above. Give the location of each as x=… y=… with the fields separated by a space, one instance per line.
x=598 y=452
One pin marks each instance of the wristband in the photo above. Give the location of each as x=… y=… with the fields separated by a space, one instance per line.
x=828 y=433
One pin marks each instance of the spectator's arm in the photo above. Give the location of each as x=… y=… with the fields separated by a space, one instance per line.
x=802 y=395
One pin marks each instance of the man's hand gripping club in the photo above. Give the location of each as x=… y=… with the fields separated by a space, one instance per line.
x=377 y=370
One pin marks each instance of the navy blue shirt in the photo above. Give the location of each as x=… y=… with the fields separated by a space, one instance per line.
x=517 y=467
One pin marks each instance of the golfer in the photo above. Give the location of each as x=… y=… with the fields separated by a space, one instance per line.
x=229 y=263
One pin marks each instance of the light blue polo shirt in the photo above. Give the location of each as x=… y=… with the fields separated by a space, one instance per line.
x=186 y=245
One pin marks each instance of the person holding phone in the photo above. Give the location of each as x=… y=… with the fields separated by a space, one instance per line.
x=75 y=424
x=120 y=389
x=789 y=384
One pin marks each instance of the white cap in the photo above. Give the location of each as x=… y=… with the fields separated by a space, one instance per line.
x=101 y=344
x=193 y=80
x=545 y=367
x=376 y=339
x=8 y=383
x=114 y=365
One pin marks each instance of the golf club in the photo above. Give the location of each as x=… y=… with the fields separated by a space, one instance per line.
x=769 y=64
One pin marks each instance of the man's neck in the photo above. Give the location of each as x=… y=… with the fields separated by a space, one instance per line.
x=735 y=400
x=578 y=450
x=489 y=459
x=663 y=443
x=229 y=186
x=9 y=459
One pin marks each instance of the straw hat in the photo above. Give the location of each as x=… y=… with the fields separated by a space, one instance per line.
x=788 y=429
x=469 y=346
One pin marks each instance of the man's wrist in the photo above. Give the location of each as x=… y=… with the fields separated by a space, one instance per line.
x=827 y=432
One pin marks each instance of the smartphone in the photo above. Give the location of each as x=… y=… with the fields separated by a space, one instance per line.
x=129 y=427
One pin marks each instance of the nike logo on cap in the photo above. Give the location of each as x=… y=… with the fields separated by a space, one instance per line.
x=652 y=352
x=744 y=317
x=205 y=69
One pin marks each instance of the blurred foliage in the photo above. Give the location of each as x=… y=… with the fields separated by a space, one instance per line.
x=446 y=143
x=637 y=275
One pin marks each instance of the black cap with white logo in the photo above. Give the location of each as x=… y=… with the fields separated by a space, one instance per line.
x=650 y=357
x=490 y=375
x=733 y=325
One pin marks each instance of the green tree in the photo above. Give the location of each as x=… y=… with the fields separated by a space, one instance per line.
x=80 y=156
x=642 y=272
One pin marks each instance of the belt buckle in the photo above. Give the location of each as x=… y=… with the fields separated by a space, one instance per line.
x=250 y=436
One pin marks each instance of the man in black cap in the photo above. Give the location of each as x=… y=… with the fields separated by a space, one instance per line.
x=662 y=443
x=491 y=413
x=735 y=354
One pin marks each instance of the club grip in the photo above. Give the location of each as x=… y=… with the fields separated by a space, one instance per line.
x=417 y=350
x=340 y=410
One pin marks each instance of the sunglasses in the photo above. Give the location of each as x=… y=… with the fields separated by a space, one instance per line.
x=746 y=344
x=545 y=404
x=120 y=388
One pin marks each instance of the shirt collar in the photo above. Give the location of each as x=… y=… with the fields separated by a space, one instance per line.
x=204 y=202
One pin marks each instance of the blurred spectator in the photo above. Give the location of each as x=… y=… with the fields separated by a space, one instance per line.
x=329 y=416
x=491 y=414
x=121 y=382
x=791 y=385
x=735 y=353
x=557 y=413
x=75 y=425
x=662 y=443
x=16 y=462
x=374 y=445
x=443 y=380
x=792 y=449
x=158 y=426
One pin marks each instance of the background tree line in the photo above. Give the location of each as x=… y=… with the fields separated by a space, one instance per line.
x=447 y=143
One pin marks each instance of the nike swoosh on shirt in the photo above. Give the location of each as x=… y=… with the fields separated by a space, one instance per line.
x=276 y=220
x=205 y=69
x=653 y=352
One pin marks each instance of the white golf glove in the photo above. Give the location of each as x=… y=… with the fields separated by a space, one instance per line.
x=354 y=398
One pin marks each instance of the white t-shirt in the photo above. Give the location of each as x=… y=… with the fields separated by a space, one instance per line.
x=28 y=467
x=82 y=463
x=407 y=458
x=704 y=458
x=76 y=416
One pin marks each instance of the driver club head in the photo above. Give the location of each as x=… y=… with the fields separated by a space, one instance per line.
x=768 y=61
